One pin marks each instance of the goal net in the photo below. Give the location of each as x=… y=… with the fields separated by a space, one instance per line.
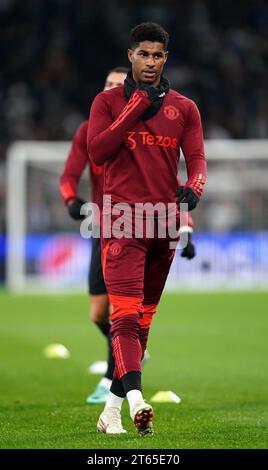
x=47 y=253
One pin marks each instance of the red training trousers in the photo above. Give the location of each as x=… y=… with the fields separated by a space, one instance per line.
x=135 y=271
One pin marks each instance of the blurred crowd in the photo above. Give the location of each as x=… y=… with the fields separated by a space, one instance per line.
x=55 y=54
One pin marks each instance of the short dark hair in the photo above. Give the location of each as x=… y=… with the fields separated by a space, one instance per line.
x=118 y=70
x=148 y=32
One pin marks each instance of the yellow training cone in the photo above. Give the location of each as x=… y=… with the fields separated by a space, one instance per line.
x=165 y=397
x=56 y=351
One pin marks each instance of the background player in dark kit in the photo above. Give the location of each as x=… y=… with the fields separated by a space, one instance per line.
x=74 y=167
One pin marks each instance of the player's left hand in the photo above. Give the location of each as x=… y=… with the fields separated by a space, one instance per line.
x=187 y=196
x=189 y=250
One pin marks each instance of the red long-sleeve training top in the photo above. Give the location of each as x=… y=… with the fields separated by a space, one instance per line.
x=75 y=165
x=140 y=158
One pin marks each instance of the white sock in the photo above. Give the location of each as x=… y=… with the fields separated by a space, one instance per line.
x=133 y=397
x=105 y=383
x=114 y=401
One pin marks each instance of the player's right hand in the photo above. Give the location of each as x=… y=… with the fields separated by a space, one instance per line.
x=152 y=92
x=74 y=205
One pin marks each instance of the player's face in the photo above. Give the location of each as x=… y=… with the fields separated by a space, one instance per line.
x=148 y=60
x=114 y=79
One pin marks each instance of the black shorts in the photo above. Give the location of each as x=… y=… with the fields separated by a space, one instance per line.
x=96 y=284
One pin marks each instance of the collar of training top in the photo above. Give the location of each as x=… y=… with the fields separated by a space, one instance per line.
x=130 y=86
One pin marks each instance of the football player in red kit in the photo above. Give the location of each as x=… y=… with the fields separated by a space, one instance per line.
x=136 y=132
x=99 y=302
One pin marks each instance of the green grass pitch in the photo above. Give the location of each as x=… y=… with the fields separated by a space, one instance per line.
x=210 y=349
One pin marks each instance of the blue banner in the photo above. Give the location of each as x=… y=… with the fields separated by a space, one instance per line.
x=233 y=260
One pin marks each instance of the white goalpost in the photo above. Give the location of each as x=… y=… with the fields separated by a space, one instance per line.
x=46 y=252
x=20 y=156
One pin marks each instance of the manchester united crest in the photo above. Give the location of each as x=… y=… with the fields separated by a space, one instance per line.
x=115 y=249
x=171 y=112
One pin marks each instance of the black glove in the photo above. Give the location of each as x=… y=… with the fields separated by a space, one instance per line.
x=74 y=205
x=187 y=196
x=189 y=250
x=152 y=92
